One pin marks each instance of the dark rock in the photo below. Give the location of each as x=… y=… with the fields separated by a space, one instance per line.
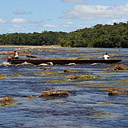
x=68 y=70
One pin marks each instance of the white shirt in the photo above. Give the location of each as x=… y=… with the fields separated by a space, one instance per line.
x=16 y=54
x=106 y=57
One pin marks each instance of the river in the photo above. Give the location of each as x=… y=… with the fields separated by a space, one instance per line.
x=88 y=106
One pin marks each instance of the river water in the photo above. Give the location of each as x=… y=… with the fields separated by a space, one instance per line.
x=88 y=106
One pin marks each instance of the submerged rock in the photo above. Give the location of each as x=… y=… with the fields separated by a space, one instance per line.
x=73 y=77
x=86 y=76
x=54 y=93
x=46 y=68
x=120 y=67
x=107 y=103
x=16 y=75
x=68 y=70
x=6 y=101
x=31 y=96
x=5 y=64
x=115 y=92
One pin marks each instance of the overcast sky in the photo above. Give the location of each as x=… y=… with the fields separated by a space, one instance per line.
x=59 y=15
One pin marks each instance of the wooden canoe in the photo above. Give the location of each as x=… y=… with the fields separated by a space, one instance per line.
x=61 y=61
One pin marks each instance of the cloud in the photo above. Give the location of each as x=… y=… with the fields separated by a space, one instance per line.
x=18 y=20
x=116 y=21
x=89 y=12
x=73 y=1
x=67 y=24
x=49 y=26
x=2 y=21
x=16 y=28
x=21 y=12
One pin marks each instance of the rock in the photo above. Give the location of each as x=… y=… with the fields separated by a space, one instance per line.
x=120 y=67
x=82 y=77
x=73 y=77
x=46 y=68
x=54 y=93
x=107 y=103
x=68 y=70
x=16 y=75
x=6 y=99
x=31 y=97
x=5 y=64
x=115 y=92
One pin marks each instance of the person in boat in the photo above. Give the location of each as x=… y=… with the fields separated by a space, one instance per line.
x=16 y=55
x=106 y=56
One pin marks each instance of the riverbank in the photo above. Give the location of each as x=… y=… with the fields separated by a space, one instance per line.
x=31 y=46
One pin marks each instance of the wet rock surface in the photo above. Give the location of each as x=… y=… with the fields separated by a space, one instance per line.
x=120 y=67
x=116 y=92
x=54 y=93
x=6 y=101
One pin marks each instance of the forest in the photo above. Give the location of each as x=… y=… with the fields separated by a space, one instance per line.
x=104 y=36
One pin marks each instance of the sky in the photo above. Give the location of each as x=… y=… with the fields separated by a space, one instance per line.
x=28 y=16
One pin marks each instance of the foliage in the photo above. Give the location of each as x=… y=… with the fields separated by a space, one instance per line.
x=107 y=36
x=44 y=38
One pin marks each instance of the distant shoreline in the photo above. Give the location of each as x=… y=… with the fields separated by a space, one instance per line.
x=31 y=46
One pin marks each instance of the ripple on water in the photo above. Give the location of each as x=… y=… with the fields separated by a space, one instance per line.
x=84 y=108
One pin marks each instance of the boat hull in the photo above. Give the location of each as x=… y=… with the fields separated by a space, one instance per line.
x=62 y=61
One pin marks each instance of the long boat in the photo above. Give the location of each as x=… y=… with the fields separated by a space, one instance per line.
x=61 y=61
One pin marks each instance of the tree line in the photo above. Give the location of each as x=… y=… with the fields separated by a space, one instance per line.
x=107 y=36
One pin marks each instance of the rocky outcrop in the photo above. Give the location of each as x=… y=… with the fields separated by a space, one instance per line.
x=53 y=93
